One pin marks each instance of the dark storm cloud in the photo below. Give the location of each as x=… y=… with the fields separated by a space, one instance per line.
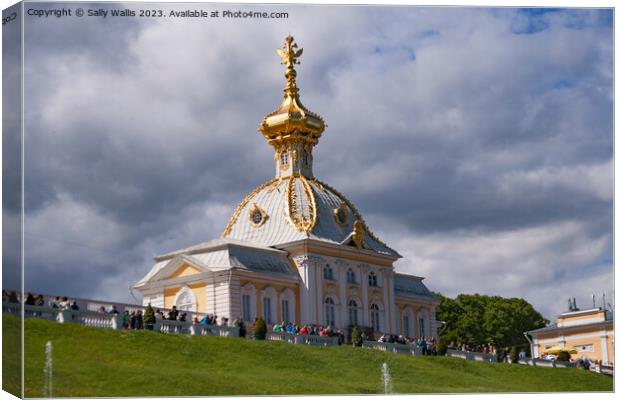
x=481 y=127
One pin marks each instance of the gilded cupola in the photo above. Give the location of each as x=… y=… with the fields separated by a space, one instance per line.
x=296 y=205
x=292 y=129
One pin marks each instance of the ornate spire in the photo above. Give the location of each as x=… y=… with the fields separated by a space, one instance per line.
x=290 y=57
x=292 y=129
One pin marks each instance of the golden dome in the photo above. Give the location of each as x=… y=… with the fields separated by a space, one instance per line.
x=292 y=128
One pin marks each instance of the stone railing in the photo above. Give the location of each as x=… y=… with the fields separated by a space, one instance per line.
x=115 y=321
x=214 y=330
x=312 y=340
x=539 y=362
x=88 y=318
x=393 y=347
x=171 y=326
x=31 y=311
x=471 y=355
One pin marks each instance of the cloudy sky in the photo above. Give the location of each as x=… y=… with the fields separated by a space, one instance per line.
x=475 y=141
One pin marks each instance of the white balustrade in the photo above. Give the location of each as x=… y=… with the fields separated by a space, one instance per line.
x=471 y=355
x=393 y=347
x=312 y=340
x=214 y=330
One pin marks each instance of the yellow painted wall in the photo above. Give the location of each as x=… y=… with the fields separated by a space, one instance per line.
x=594 y=340
x=198 y=289
x=279 y=288
x=184 y=270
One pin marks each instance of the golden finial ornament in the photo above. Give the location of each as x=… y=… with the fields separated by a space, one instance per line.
x=292 y=128
x=358 y=233
x=290 y=57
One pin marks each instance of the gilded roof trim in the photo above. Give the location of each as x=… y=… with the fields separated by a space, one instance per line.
x=357 y=214
x=295 y=213
x=235 y=216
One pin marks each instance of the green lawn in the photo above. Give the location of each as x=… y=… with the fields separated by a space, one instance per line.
x=103 y=362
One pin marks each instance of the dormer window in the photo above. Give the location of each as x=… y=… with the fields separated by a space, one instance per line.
x=372 y=280
x=328 y=273
x=350 y=276
x=284 y=158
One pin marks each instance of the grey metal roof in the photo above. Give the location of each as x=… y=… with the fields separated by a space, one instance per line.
x=412 y=286
x=221 y=254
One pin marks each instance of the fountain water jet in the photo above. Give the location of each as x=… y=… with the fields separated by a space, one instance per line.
x=386 y=378
x=47 y=370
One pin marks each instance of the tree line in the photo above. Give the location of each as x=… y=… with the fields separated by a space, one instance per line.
x=478 y=320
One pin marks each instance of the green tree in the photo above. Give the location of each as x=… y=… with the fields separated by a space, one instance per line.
x=149 y=317
x=356 y=337
x=260 y=329
x=478 y=320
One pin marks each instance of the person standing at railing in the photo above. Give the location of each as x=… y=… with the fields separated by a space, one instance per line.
x=173 y=314
x=113 y=310
x=241 y=327
x=139 y=320
x=13 y=297
x=64 y=304
x=29 y=299
x=183 y=317
x=126 y=319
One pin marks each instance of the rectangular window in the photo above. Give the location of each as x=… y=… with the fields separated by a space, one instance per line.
x=267 y=310
x=247 y=312
x=422 y=329
x=584 y=347
x=406 y=325
x=285 y=312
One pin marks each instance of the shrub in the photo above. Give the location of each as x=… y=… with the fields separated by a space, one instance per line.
x=260 y=329
x=149 y=317
x=563 y=356
x=356 y=337
x=514 y=354
x=441 y=347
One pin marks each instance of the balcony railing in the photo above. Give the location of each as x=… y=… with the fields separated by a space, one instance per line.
x=411 y=349
x=312 y=340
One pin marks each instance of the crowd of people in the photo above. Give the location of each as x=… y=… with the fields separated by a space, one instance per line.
x=310 y=329
x=62 y=303
x=427 y=346
x=485 y=348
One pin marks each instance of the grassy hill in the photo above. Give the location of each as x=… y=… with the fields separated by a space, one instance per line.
x=103 y=362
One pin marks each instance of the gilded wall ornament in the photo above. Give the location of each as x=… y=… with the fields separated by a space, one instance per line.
x=358 y=233
x=341 y=214
x=257 y=216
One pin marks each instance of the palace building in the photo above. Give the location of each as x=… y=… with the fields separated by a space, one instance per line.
x=295 y=249
x=589 y=333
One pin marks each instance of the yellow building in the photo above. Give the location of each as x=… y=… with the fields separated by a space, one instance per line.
x=295 y=249
x=589 y=332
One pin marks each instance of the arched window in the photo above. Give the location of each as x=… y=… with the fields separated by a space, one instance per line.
x=269 y=302
x=284 y=158
x=248 y=302
x=350 y=276
x=185 y=300
x=287 y=305
x=305 y=157
x=352 y=313
x=328 y=273
x=372 y=280
x=330 y=312
x=407 y=322
x=374 y=317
